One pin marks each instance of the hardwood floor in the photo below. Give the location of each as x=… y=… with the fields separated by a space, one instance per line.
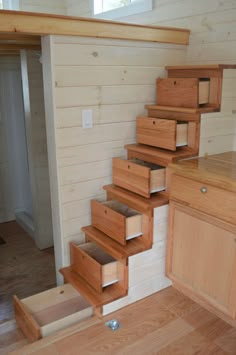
x=24 y=269
x=165 y=323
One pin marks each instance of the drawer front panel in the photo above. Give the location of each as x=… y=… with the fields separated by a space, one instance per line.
x=116 y=220
x=156 y=132
x=212 y=200
x=131 y=176
x=178 y=92
x=109 y=221
x=92 y=263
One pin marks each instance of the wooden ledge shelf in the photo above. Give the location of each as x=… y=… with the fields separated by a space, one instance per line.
x=157 y=155
x=178 y=113
x=29 y=23
x=116 y=250
x=110 y=294
x=135 y=201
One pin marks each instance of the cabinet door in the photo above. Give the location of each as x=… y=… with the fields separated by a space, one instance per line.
x=201 y=257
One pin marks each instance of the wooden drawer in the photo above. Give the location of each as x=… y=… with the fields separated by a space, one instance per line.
x=138 y=176
x=162 y=133
x=183 y=92
x=204 y=197
x=117 y=220
x=47 y=312
x=93 y=264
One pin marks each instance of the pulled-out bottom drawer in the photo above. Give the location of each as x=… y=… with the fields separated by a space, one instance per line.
x=47 y=312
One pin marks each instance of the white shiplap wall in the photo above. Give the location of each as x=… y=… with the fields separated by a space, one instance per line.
x=213 y=40
x=115 y=79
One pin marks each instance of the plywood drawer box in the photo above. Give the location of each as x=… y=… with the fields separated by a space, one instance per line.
x=47 y=312
x=162 y=133
x=94 y=265
x=183 y=92
x=138 y=176
x=117 y=220
x=212 y=200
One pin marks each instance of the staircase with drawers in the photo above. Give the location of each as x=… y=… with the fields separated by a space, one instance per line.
x=122 y=226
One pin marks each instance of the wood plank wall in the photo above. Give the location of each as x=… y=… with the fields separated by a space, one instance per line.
x=212 y=24
x=115 y=79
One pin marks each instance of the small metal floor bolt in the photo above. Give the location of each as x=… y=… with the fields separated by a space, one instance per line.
x=113 y=324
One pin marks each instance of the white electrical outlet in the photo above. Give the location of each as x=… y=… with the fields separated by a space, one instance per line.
x=87 y=118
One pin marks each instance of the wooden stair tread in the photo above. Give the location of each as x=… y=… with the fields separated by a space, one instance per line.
x=110 y=293
x=182 y=109
x=116 y=250
x=206 y=66
x=139 y=203
x=157 y=155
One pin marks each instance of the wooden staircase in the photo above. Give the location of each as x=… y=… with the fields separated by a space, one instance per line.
x=122 y=233
x=169 y=132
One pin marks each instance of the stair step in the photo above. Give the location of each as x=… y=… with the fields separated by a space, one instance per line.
x=110 y=293
x=205 y=66
x=178 y=113
x=157 y=155
x=135 y=201
x=116 y=250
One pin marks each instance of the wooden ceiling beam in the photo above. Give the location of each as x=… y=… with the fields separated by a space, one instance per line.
x=28 y=23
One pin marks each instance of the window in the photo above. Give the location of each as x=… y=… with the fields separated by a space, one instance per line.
x=1 y=4
x=111 y=9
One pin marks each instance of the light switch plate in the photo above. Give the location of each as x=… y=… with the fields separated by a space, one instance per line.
x=87 y=118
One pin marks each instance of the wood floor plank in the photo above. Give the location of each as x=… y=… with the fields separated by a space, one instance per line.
x=158 y=339
x=192 y=343
x=134 y=326
x=227 y=342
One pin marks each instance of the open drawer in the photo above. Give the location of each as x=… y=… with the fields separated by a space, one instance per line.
x=117 y=220
x=95 y=266
x=161 y=133
x=183 y=92
x=45 y=313
x=138 y=176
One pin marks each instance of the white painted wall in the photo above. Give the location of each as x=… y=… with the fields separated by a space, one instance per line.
x=45 y=6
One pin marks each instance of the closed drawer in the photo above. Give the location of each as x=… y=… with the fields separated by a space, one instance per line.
x=94 y=265
x=210 y=199
x=138 y=176
x=47 y=312
x=183 y=92
x=117 y=220
x=162 y=133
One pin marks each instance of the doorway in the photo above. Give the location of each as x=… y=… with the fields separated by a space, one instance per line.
x=27 y=263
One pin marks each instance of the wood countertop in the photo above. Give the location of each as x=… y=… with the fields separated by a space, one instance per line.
x=218 y=170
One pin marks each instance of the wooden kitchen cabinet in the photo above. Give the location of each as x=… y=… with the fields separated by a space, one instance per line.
x=202 y=257
x=201 y=246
